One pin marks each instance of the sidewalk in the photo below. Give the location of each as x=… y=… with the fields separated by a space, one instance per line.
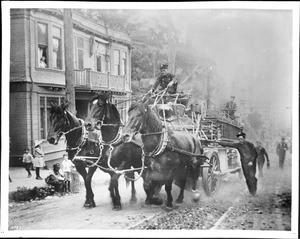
x=19 y=178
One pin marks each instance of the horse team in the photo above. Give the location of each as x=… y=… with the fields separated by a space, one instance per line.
x=144 y=145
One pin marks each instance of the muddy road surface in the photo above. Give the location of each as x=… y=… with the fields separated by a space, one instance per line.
x=231 y=209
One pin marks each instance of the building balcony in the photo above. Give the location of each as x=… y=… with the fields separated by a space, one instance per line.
x=93 y=80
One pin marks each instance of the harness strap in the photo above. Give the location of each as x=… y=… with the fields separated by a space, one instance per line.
x=181 y=151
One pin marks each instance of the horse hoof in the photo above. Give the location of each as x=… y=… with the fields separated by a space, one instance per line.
x=117 y=208
x=89 y=205
x=196 y=197
x=179 y=200
x=157 y=201
x=133 y=201
x=169 y=209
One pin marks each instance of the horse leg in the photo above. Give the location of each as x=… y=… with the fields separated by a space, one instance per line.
x=149 y=190
x=114 y=191
x=182 y=187
x=88 y=186
x=168 y=188
x=133 y=198
x=80 y=167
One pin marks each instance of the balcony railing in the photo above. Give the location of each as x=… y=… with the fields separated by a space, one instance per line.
x=87 y=78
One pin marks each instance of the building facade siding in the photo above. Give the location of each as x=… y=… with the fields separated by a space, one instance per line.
x=33 y=87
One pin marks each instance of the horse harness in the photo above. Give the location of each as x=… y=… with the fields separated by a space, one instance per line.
x=164 y=145
x=115 y=142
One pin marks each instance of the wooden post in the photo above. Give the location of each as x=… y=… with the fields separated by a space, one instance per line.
x=69 y=62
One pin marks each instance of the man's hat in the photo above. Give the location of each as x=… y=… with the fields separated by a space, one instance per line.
x=163 y=66
x=233 y=96
x=241 y=134
x=282 y=138
x=37 y=142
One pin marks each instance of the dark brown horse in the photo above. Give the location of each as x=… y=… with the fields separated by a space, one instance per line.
x=104 y=118
x=63 y=122
x=83 y=149
x=170 y=154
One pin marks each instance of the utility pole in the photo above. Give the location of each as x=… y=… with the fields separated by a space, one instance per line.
x=69 y=67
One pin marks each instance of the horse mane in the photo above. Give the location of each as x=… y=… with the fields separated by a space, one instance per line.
x=152 y=116
x=115 y=112
x=63 y=109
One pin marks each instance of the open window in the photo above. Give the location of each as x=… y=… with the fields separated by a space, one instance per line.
x=42 y=45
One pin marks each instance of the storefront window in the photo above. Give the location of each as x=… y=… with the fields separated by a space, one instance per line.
x=45 y=106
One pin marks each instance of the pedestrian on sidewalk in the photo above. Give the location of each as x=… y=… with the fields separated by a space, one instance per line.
x=262 y=154
x=67 y=165
x=38 y=162
x=27 y=160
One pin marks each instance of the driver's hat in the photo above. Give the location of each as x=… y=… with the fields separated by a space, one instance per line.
x=163 y=66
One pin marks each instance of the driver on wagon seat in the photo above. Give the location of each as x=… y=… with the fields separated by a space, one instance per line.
x=165 y=80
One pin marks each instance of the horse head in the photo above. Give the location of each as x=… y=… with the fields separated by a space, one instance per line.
x=103 y=116
x=61 y=121
x=141 y=119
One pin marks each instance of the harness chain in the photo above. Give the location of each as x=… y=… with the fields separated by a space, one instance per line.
x=116 y=141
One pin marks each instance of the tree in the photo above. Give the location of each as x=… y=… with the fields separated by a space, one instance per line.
x=255 y=120
x=118 y=19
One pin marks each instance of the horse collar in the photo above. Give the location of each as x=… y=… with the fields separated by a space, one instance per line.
x=161 y=146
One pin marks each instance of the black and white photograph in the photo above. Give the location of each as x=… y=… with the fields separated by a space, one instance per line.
x=150 y=119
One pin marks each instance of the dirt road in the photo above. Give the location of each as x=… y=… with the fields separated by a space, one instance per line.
x=231 y=209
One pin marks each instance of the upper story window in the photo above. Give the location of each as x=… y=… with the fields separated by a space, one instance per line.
x=56 y=48
x=100 y=57
x=124 y=63
x=116 y=69
x=49 y=46
x=43 y=45
x=80 y=53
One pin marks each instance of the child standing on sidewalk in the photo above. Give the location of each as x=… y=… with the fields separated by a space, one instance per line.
x=39 y=159
x=27 y=160
x=66 y=168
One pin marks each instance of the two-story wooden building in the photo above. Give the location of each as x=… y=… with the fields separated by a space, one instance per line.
x=101 y=62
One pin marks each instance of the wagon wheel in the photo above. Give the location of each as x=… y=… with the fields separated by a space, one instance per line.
x=211 y=180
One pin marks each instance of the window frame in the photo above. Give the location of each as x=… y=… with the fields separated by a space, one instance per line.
x=116 y=63
x=43 y=44
x=45 y=120
x=59 y=50
x=124 y=63
x=77 y=50
x=50 y=48
x=102 y=56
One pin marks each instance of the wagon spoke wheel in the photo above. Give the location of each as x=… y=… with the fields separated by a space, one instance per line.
x=210 y=176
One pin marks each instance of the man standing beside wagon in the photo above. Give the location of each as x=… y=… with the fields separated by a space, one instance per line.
x=248 y=159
